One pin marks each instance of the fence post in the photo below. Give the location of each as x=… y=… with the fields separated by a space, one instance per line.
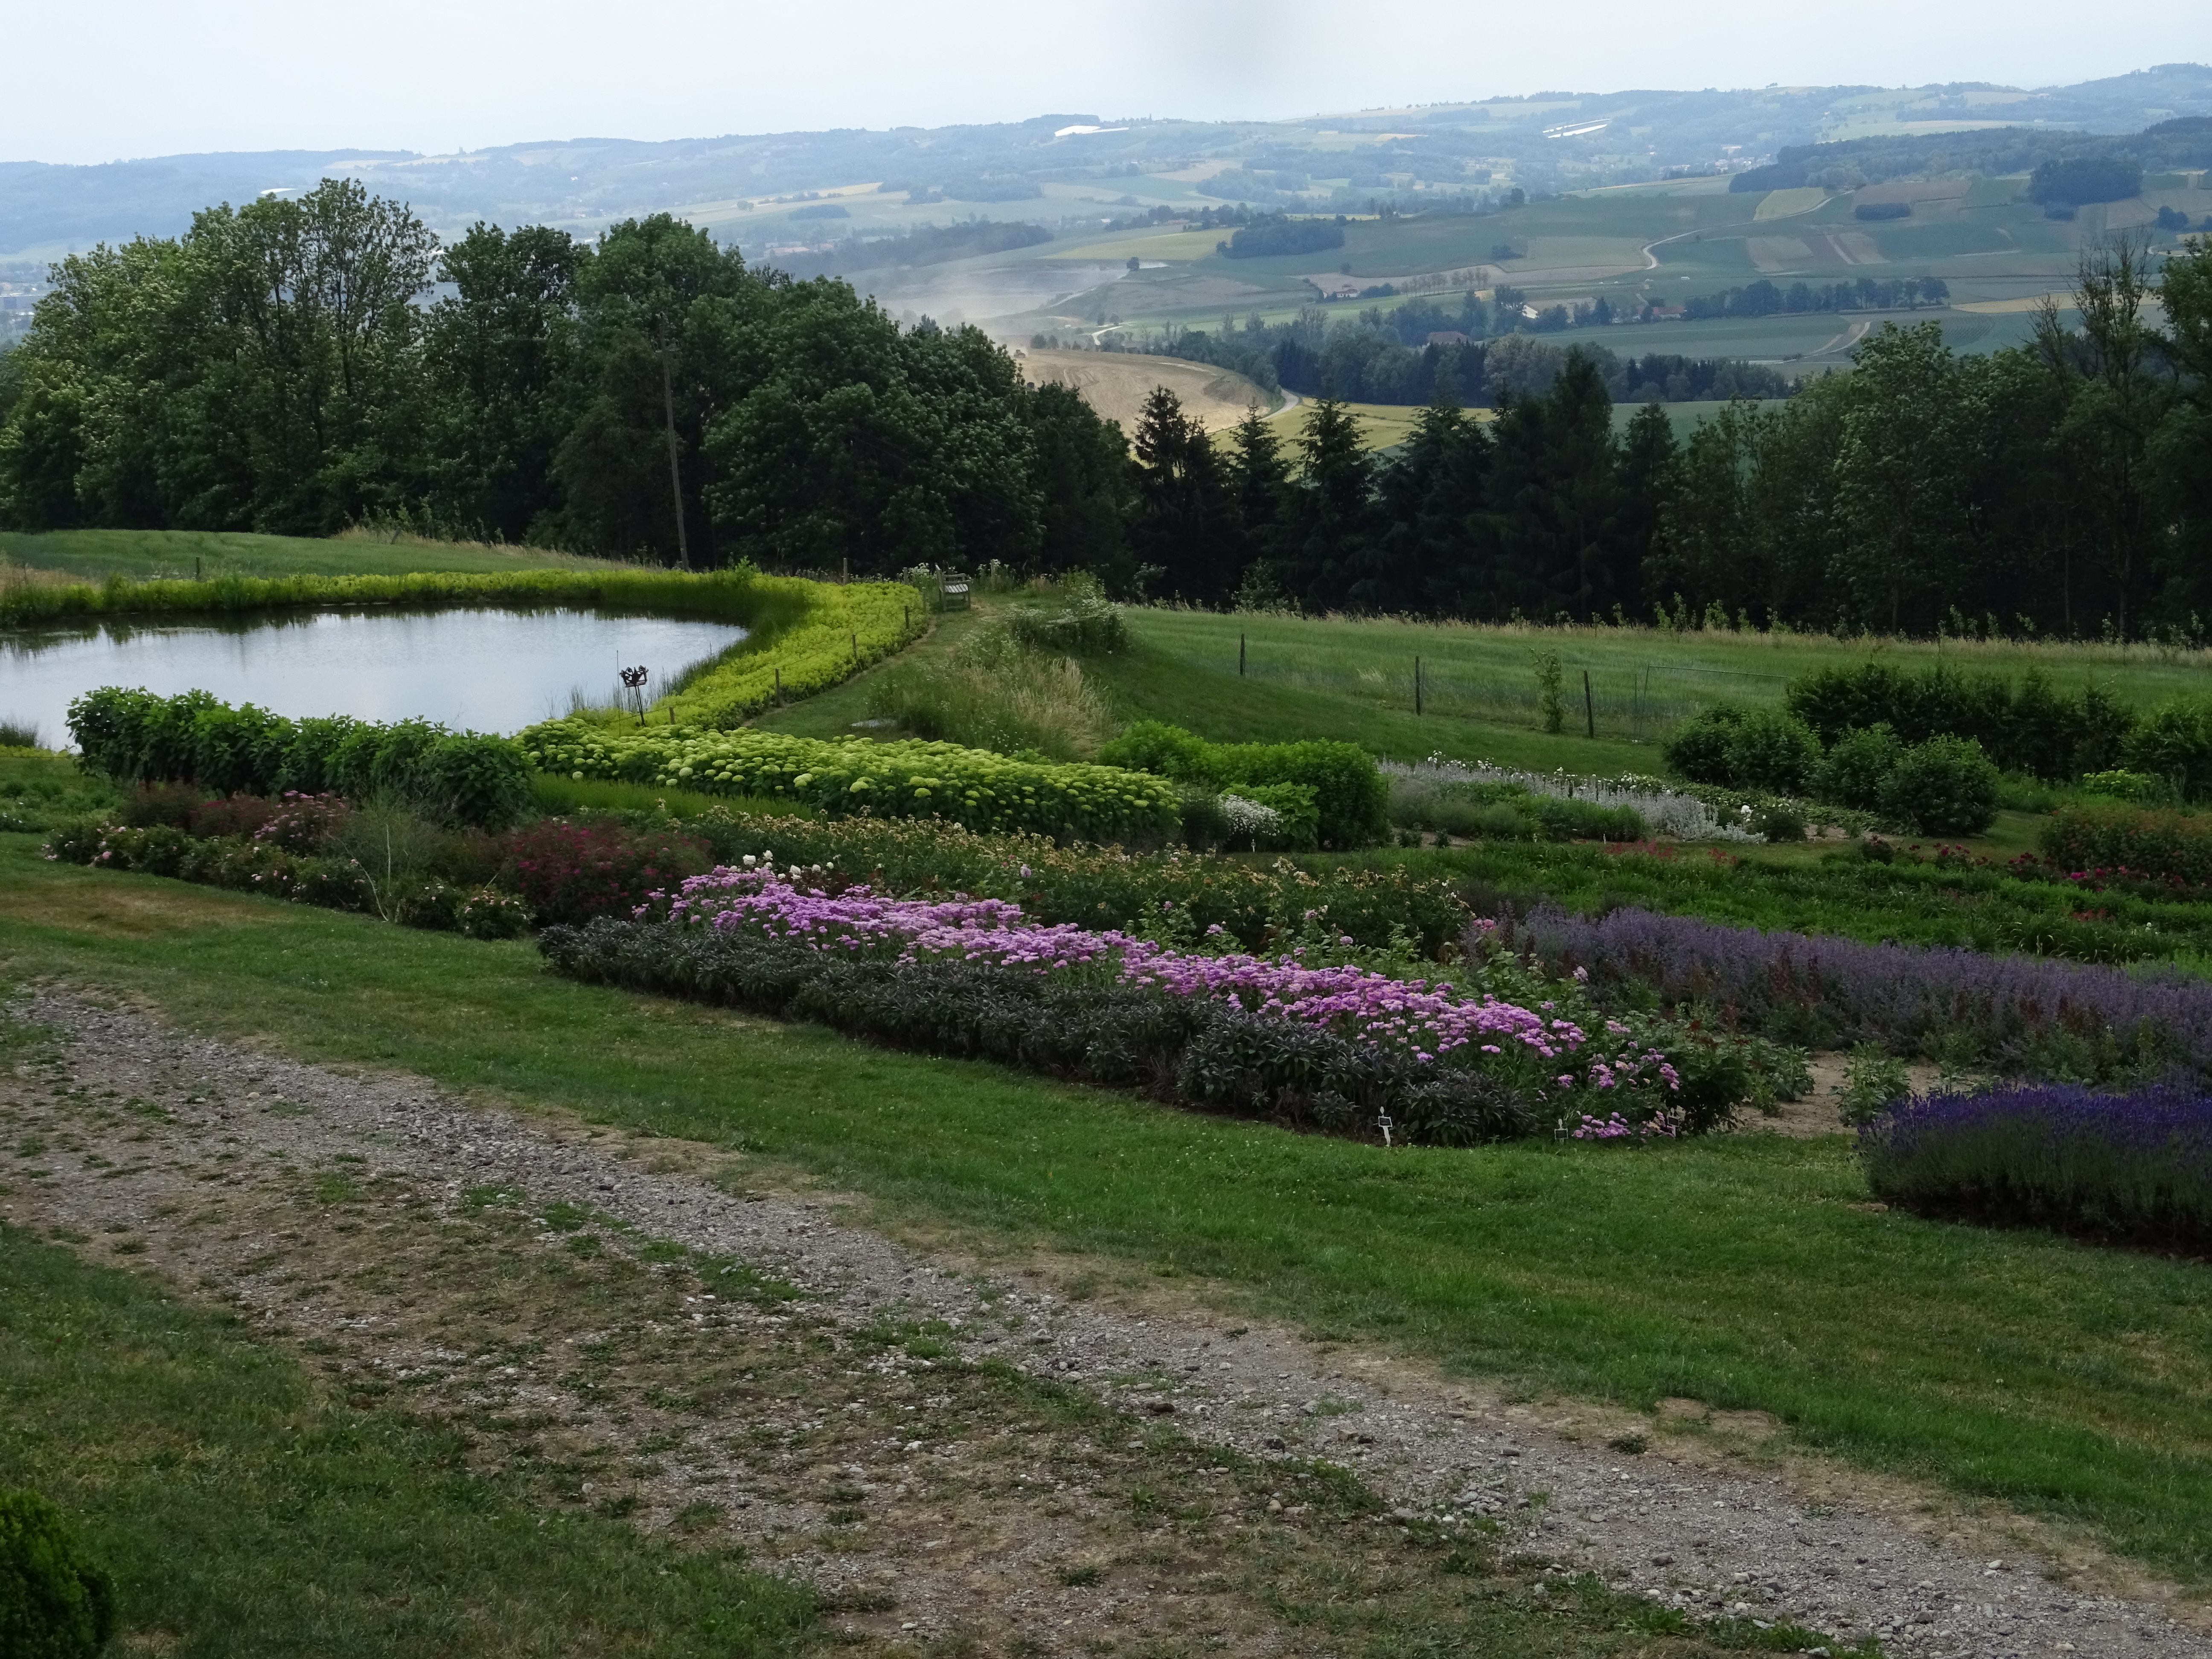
x=1417 y=685
x=779 y=683
x=1240 y=656
x=1589 y=704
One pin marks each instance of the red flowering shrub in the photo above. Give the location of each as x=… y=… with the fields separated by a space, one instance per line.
x=570 y=872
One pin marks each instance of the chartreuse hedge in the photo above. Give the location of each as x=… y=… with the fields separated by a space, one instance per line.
x=803 y=636
x=972 y=787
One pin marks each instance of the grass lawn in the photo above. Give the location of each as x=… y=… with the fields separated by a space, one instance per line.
x=1748 y=1272
x=246 y=1509
x=145 y=555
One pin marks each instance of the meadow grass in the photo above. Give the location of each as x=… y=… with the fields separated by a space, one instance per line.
x=245 y=1508
x=1749 y=1272
x=148 y=555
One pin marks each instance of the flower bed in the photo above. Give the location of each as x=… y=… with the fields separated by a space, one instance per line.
x=1329 y=1046
x=2020 y=1016
x=1108 y=886
x=2136 y=1168
x=2144 y=841
x=972 y=787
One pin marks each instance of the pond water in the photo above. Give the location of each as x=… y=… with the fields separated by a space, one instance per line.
x=484 y=671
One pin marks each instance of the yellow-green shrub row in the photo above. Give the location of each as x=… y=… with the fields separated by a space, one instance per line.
x=836 y=632
x=972 y=787
x=813 y=635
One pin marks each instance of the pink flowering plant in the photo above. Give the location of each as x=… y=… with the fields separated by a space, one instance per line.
x=1559 y=1053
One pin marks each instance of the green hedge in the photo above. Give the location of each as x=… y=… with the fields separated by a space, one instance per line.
x=2026 y=727
x=55 y=1602
x=1349 y=793
x=971 y=787
x=457 y=777
x=2147 y=841
x=804 y=637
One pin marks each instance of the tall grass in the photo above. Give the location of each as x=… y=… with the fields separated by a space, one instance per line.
x=1008 y=689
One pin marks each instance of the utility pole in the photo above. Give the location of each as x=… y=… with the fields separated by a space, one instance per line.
x=675 y=474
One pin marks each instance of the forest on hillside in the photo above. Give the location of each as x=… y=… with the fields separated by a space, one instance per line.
x=298 y=366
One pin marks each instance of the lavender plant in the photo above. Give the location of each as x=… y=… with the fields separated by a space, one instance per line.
x=2136 y=1168
x=2017 y=1016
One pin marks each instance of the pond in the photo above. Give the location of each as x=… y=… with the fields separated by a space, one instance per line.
x=477 y=670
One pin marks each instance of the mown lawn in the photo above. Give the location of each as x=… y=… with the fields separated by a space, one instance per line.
x=1748 y=1272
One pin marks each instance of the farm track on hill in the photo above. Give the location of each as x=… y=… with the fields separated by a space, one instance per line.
x=331 y=1208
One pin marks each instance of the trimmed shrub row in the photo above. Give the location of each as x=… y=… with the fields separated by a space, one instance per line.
x=455 y=777
x=1945 y=786
x=972 y=787
x=2135 y=1167
x=1351 y=796
x=2028 y=727
x=1207 y=1053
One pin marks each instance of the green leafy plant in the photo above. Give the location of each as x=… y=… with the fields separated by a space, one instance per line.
x=1945 y=786
x=55 y=1602
x=1350 y=792
x=1859 y=765
x=1699 y=750
x=1874 y=1081
x=1771 y=750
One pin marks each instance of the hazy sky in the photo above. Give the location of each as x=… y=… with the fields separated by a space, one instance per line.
x=98 y=79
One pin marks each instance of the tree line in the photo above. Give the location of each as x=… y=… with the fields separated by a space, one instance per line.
x=2063 y=487
x=294 y=366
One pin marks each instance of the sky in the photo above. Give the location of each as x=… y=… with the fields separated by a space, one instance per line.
x=106 y=80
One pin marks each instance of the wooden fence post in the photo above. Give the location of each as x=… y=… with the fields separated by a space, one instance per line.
x=1589 y=704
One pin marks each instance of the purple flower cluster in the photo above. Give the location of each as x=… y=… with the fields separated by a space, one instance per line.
x=2022 y=1016
x=2136 y=1166
x=1424 y=1021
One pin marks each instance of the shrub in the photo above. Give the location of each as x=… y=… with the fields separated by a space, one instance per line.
x=2028 y=727
x=2174 y=745
x=55 y=1602
x=1859 y=765
x=304 y=823
x=1699 y=751
x=969 y=787
x=571 y=873
x=1350 y=794
x=457 y=777
x=1771 y=750
x=2139 y=788
x=1082 y=621
x=1944 y=787
x=2136 y=1168
x=2142 y=841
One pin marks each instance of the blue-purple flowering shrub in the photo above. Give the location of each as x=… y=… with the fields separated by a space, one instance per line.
x=2019 y=1016
x=2136 y=1168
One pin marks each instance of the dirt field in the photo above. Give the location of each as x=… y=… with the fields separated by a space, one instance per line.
x=1116 y=384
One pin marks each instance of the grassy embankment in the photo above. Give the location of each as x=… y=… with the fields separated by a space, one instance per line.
x=150 y=555
x=1749 y=1273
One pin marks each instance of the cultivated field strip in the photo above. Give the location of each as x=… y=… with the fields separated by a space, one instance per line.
x=187 y=1149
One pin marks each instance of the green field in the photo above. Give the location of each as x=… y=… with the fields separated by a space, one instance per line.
x=149 y=555
x=1746 y=1272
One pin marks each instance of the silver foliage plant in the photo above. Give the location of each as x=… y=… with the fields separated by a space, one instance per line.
x=1665 y=811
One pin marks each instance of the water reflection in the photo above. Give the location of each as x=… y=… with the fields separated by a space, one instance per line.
x=487 y=670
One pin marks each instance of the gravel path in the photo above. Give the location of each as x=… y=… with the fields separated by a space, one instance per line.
x=1708 y=1542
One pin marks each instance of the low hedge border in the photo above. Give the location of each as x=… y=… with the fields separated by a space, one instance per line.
x=805 y=636
x=853 y=777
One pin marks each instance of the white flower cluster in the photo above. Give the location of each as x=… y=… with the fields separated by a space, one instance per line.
x=1665 y=811
x=1250 y=817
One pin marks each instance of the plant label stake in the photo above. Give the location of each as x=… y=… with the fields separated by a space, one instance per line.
x=1382 y=1122
x=1589 y=704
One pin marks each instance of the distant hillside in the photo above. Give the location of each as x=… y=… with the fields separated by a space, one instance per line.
x=1069 y=168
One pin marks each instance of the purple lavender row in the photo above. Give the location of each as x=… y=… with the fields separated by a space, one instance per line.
x=1425 y=1022
x=2024 y=1017
x=2133 y=1167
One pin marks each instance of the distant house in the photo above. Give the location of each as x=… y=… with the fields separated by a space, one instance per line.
x=1663 y=313
x=1346 y=289
x=1444 y=336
